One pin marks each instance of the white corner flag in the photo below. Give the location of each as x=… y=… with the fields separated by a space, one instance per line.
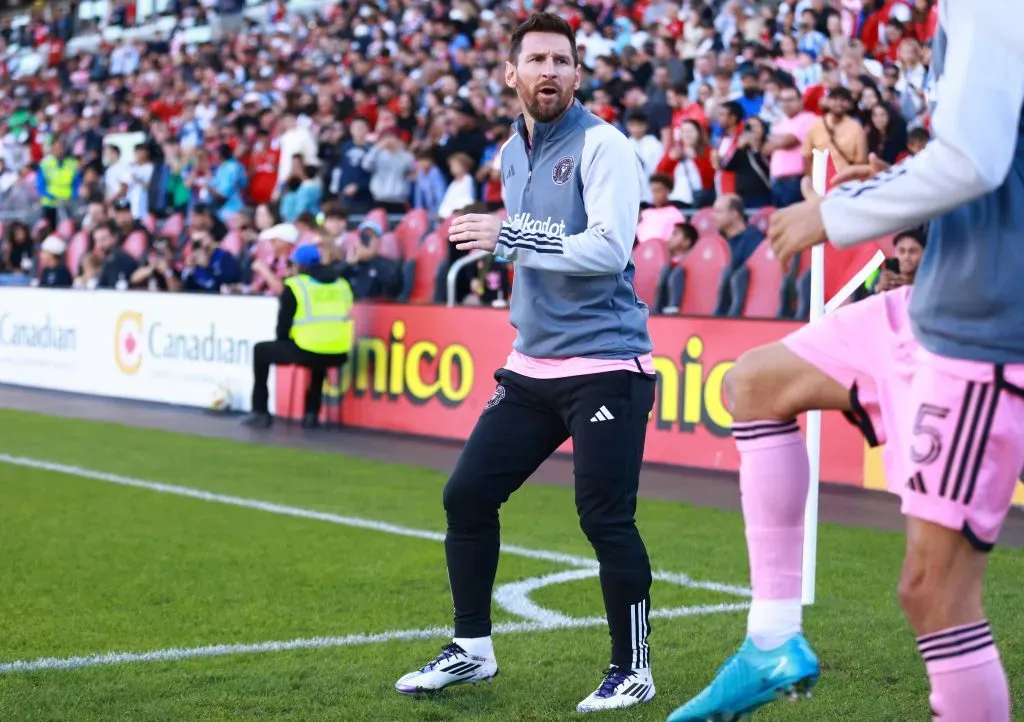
x=819 y=307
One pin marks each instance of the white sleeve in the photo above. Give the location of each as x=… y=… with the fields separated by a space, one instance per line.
x=976 y=124
x=612 y=181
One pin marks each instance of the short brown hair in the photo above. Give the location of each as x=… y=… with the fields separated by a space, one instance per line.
x=542 y=23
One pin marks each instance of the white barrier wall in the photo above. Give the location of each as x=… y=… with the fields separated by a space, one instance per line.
x=157 y=347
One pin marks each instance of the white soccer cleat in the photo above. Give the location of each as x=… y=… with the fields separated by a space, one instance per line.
x=453 y=666
x=620 y=688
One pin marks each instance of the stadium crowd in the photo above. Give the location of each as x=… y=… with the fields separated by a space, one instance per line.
x=193 y=147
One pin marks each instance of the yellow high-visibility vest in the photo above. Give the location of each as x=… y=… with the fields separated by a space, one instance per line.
x=59 y=177
x=323 y=322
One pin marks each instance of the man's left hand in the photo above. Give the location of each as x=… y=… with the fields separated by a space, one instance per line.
x=797 y=227
x=475 y=232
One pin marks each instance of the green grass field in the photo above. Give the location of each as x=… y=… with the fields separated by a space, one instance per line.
x=90 y=567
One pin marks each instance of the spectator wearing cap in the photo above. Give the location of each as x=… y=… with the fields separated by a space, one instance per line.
x=462 y=134
x=808 y=72
x=57 y=181
x=371 y=275
x=314 y=329
x=785 y=148
x=837 y=132
x=751 y=97
x=269 y=273
x=53 y=271
x=390 y=166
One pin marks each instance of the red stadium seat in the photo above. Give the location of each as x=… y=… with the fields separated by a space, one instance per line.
x=442 y=229
x=649 y=258
x=77 y=247
x=380 y=217
x=232 y=243
x=135 y=244
x=389 y=247
x=66 y=229
x=703 y=266
x=765 y=283
x=173 y=227
x=658 y=222
x=429 y=256
x=887 y=245
x=759 y=219
x=410 y=231
x=703 y=220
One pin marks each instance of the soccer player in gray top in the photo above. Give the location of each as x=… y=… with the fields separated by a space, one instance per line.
x=936 y=373
x=580 y=368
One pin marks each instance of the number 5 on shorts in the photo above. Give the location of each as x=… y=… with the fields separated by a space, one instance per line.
x=933 y=436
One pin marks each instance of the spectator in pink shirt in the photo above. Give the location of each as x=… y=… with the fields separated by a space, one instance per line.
x=785 y=147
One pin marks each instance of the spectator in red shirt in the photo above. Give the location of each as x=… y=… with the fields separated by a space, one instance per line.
x=262 y=169
x=683 y=109
x=924 y=20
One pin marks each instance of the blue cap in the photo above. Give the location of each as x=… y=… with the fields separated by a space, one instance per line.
x=371 y=226
x=307 y=255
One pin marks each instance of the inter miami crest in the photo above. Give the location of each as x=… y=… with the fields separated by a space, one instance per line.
x=562 y=171
x=496 y=397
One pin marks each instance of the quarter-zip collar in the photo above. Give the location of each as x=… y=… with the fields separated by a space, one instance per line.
x=550 y=131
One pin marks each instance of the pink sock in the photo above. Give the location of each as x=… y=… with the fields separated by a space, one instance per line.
x=774 y=477
x=966 y=673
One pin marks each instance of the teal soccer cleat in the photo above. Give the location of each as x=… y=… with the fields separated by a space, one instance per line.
x=752 y=678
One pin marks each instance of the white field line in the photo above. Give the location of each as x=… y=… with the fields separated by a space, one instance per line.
x=513 y=597
x=351 y=521
x=219 y=650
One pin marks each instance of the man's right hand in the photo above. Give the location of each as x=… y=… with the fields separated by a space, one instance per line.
x=889 y=281
x=862 y=172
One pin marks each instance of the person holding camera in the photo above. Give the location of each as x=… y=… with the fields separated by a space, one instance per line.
x=158 y=272
x=208 y=267
x=900 y=270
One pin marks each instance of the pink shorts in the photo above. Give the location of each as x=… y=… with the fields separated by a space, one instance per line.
x=953 y=429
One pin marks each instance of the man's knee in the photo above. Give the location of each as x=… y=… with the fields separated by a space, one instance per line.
x=610 y=534
x=465 y=499
x=941 y=582
x=773 y=383
x=751 y=389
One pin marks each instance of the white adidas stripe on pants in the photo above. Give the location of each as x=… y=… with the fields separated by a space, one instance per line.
x=640 y=630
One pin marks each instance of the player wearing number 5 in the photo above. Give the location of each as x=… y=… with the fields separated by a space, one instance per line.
x=936 y=374
x=580 y=368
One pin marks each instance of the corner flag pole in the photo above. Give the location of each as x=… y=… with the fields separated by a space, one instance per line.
x=818 y=172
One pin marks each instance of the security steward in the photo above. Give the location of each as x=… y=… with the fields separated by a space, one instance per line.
x=314 y=329
x=57 y=181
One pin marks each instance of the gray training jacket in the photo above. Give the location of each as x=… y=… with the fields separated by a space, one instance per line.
x=573 y=202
